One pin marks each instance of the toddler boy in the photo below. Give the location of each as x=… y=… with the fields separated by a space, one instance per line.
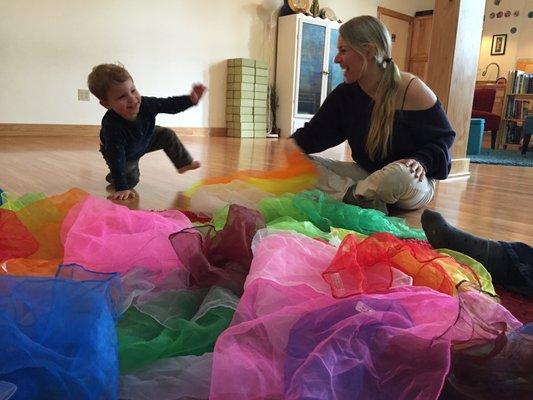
x=128 y=128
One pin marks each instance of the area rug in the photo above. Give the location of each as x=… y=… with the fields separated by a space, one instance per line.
x=503 y=157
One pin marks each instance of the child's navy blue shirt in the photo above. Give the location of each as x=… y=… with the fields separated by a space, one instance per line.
x=123 y=141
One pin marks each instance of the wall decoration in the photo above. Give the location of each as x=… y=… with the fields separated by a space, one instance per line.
x=492 y=15
x=298 y=6
x=513 y=30
x=500 y=14
x=516 y=13
x=498 y=44
x=315 y=8
x=293 y=7
x=507 y=14
x=328 y=13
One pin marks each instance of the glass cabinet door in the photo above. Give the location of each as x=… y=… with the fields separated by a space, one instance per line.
x=335 y=72
x=311 y=63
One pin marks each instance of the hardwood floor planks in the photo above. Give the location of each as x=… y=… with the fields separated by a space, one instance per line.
x=495 y=202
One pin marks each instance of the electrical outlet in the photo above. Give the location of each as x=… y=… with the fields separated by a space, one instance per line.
x=83 y=95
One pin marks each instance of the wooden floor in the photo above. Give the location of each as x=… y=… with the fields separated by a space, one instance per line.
x=495 y=202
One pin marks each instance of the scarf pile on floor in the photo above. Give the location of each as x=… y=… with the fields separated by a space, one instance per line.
x=279 y=294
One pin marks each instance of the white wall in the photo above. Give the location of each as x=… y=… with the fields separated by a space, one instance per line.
x=345 y=9
x=519 y=44
x=47 y=48
x=525 y=41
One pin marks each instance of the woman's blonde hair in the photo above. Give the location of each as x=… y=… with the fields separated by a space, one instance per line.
x=360 y=33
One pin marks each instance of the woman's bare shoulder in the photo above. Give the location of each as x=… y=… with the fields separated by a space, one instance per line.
x=418 y=95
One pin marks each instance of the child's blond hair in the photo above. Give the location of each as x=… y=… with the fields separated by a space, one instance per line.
x=103 y=76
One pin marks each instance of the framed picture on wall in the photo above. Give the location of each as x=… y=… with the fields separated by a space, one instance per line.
x=498 y=45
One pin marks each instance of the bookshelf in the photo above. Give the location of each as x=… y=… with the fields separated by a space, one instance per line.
x=517 y=103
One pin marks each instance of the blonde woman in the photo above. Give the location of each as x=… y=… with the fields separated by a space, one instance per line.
x=397 y=130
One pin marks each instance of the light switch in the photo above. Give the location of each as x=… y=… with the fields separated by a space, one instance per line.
x=83 y=95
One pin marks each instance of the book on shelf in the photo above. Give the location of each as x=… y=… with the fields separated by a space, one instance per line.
x=513 y=133
x=519 y=82
x=517 y=109
x=516 y=105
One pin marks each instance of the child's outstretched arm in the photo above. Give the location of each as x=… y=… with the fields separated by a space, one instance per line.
x=197 y=92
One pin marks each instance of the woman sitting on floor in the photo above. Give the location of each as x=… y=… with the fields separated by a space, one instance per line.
x=397 y=130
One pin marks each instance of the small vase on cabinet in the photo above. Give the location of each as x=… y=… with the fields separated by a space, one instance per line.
x=305 y=70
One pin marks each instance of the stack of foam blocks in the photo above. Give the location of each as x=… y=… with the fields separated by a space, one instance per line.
x=246 y=99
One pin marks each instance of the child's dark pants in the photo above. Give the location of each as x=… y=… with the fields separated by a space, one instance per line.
x=162 y=139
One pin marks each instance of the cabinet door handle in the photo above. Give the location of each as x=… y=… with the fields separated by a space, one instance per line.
x=325 y=73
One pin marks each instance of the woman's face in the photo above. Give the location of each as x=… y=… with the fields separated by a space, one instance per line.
x=351 y=62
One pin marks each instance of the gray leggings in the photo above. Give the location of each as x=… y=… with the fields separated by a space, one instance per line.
x=162 y=139
x=393 y=184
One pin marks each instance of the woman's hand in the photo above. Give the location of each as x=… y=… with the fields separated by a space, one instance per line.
x=289 y=146
x=122 y=195
x=415 y=167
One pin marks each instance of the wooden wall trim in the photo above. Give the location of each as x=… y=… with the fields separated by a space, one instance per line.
x=460 y=168
x=395 y=14
x=44 y=130
x=40 y=130
x=213 y=132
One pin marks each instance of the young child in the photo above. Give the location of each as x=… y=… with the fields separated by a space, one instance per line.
x=128 y=127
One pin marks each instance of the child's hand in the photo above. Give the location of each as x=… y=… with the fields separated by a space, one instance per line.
x=122 y=195
x=197 y=92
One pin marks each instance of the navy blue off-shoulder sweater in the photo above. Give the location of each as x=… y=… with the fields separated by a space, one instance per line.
x=425 y=135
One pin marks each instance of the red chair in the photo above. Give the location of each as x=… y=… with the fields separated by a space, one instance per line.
x=482 y=108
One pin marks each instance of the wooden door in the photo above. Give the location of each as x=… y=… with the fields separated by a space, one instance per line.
x=420 y=45
x=400 y=28
x=419 y=68
x=421 y=42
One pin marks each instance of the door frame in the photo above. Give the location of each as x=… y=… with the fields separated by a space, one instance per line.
x=398 y=15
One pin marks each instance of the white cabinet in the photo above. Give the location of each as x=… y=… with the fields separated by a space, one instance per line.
x=305 y=71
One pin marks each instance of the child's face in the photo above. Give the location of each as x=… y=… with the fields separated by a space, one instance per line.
x=124 y=99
